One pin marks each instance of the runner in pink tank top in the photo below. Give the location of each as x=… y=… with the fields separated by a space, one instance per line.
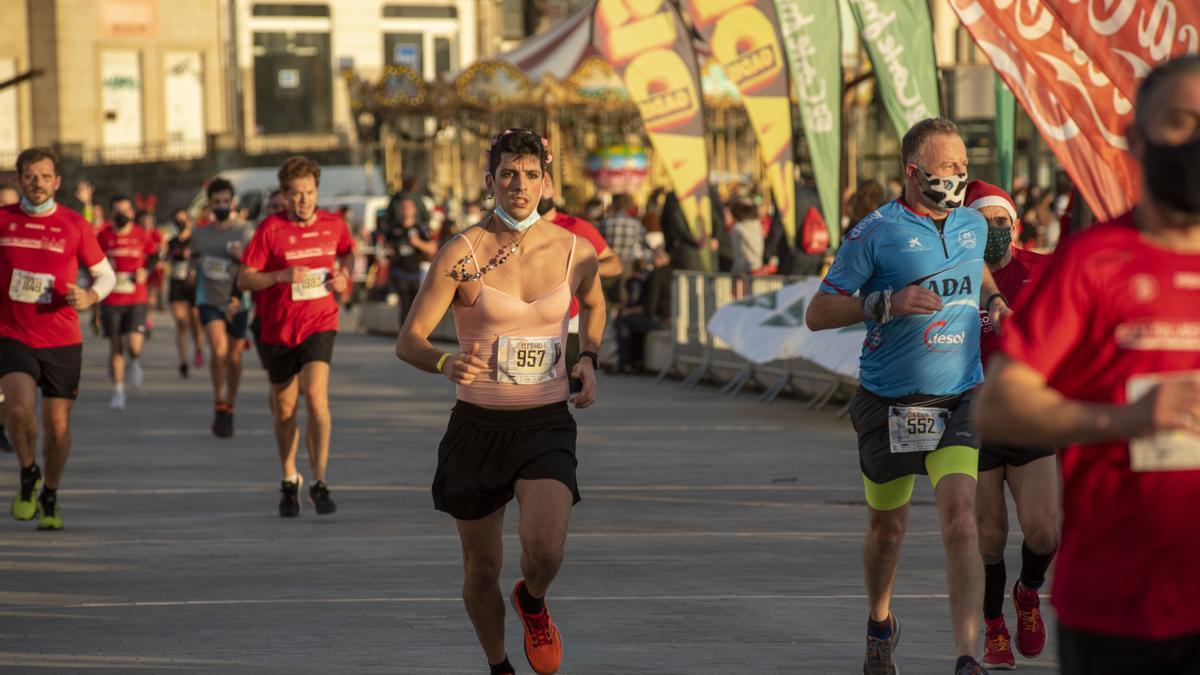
x=509 y=281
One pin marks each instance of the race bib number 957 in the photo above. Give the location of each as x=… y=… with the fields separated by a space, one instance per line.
x=527 y=360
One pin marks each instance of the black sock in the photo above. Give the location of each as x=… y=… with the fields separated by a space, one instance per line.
x=880 y=630
x=965 y=661
x=502 y=668
x=529 y=604
x=1033 y=567
x=995 y=578
x=31 y=472
x=49 y=496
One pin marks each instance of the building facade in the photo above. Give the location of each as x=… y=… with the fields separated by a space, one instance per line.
x=113 y=77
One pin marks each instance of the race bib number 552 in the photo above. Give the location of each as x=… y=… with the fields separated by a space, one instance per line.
x=31 y=287
x=916 y=429
x=527 y=360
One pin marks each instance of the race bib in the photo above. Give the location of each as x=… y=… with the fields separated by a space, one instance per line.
x=527 y=360
x=179 y=271
x=312 y=286
x=1167 y=451
x=216 y=269
x=916 y=429
x=125 y=283
x=31 y=287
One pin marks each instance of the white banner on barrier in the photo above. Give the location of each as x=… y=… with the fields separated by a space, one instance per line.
x=770 y=327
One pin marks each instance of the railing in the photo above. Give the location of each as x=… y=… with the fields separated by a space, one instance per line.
x=698 y=355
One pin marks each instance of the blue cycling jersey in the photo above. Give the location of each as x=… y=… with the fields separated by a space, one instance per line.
x=894 y=247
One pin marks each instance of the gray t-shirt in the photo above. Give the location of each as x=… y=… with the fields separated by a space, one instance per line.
x=216 y=253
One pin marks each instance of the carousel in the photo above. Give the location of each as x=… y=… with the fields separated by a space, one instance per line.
x=436 y=134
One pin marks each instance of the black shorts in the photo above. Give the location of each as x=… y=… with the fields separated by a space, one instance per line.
x=181 y=291
x=995 y=455
x=235 y=329
x=122 y=319
x=1081 y=653
x=869 y=414
x=284 y=363
x=55 y=369
x=485 y=452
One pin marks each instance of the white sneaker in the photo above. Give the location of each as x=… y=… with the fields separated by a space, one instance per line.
x=118 y=401
x=135 y=373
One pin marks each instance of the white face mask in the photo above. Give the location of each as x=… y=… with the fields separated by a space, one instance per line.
x=944 y=192
x=513 y=223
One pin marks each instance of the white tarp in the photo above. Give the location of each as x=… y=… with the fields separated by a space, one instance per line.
x=770 y=327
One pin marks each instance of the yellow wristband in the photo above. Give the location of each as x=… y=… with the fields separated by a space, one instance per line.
x=442 y=361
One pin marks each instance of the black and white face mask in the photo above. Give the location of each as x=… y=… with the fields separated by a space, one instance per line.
x=943 y=192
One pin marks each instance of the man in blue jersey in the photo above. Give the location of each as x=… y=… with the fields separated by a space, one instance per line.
x=916 y=265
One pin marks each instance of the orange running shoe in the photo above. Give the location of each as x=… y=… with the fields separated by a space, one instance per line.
x=543 y=644
x=1031 y=630
x=997 y=647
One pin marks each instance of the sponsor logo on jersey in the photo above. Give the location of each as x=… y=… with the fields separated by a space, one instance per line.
x=967 y=240
x=915 y=245
x=1143 y=288
x=951 y=287
x=1159 y=336
x=938 y=339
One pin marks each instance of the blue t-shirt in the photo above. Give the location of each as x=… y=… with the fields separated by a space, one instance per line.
x=894 y=247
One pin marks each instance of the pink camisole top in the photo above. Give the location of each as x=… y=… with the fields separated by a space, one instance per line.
x=530 y=336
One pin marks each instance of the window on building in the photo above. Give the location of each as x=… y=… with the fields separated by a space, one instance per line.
x=442 y=60
x=403 y=49
x=419 y=12
x=289 y=9
x=293 y=83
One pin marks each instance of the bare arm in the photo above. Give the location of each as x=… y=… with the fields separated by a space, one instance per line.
x=592 y=316
x=433 y=299
x=833 y=311
x=1014 y=392
x=250 y=279
x=610 y=264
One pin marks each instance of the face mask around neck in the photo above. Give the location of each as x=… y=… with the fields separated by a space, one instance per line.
x=37 y=209
x=513 y=223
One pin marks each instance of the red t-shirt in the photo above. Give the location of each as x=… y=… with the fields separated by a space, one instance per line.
x=1012 y=279
x=290 y=313
x=127 y=252
x=580 y=228
x=43 y=252
x=1110 y=306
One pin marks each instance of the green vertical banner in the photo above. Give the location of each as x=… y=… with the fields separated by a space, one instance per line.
x=812 y=40
x=1006 y=121
x=898 y=35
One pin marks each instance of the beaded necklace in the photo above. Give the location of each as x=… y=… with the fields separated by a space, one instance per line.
x=459 y=271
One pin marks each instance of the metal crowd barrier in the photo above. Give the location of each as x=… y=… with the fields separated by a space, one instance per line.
x=699 y=355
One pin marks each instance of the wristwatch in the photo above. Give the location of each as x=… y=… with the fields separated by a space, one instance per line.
x=594 y=357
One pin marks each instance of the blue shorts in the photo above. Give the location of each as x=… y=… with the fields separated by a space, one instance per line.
x=235 y=329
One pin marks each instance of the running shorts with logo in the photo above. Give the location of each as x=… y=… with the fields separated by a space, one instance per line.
x=120 y=320
x=55 y=370
x=915 y=359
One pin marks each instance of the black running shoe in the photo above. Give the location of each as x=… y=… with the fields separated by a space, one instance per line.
x=289 y=502
x=318 y=494
x=222 y=426
x=183 y=370
x=5 y=446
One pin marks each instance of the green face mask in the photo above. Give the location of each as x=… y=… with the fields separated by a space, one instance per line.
x=999 y=239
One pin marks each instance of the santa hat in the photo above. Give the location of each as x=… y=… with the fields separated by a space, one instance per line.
x=980 y=194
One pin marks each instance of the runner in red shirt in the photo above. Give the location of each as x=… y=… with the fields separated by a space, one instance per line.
x=132 y=252
x=611 y=266
x=41 y=247
x=1030 y=471
x=295 y=264
x=1103 y=357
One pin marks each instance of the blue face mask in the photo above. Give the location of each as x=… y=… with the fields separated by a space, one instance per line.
x=37 y=209
x=519 y=225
